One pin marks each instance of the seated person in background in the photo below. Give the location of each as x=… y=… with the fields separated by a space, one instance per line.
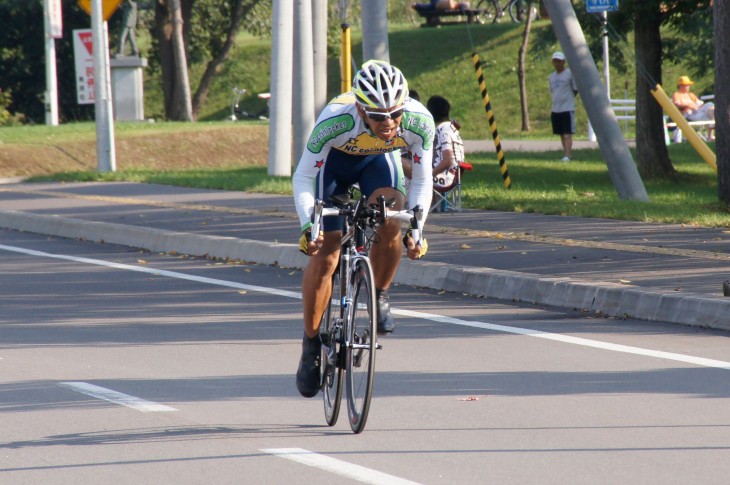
x=693 y=108
x=440 y=5
x=448 y=147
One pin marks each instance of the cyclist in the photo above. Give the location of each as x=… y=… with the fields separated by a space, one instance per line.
x=356 y=139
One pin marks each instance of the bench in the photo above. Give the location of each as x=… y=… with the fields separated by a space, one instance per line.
x=699 y=126
x=433 y=16
x=624 y=109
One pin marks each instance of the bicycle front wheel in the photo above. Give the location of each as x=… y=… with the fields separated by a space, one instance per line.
x=330 y=331
x=490 y=9
x=362 y=341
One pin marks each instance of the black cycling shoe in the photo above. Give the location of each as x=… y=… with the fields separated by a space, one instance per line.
x=308 y=378
x=386 y=323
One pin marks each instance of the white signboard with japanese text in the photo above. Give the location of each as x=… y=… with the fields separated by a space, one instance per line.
x=54 y=13
x=84 y=60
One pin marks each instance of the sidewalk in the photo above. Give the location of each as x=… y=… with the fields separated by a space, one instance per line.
x=668 y=273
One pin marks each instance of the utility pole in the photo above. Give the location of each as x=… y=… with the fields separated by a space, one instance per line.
x=53 y=27
x=303 y=78
x=280 y=129
x=105 y=151
x=375 y=30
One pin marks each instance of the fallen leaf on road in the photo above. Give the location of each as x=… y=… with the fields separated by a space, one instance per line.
x=464 y=246
x=625 y=281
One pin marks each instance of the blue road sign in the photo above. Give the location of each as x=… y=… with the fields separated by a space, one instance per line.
x=594 y=6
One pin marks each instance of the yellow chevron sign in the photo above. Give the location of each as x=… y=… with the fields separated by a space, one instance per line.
x=107 y=7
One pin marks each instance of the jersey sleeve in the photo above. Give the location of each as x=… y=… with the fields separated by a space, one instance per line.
x=331 y=124
x=419 y=131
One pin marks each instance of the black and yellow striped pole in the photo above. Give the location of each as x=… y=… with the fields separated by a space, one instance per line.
x=492 y=123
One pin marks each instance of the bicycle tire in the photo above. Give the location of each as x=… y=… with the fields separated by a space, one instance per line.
x=518 y=11
x=330 y=331
x=362 y=342
x=491 y=10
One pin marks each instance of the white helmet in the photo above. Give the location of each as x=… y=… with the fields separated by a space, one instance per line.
x=379 y=85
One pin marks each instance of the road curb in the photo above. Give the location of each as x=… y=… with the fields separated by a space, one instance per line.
x=613 y=299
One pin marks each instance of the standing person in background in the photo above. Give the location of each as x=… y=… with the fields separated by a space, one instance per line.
x=563 y=91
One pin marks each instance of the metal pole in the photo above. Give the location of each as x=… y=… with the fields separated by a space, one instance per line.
x=51 y=94
x=606 y=70
x=319 y=39
x=102 y=93
x=280 y=130
x=375 y=30
x=303 y=78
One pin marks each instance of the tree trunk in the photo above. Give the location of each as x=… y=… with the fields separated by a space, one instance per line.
x=521 y=74
x=173 y=61
x=652 y=158
x=239 y=11
x=181 y=108
x=722 y=98
x=163 y=32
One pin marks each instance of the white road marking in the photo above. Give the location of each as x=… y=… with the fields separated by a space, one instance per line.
x=117 y=397
x=339 y=467
x=688 y=359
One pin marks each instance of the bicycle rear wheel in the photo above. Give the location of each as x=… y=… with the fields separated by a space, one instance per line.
x=362 y=341
x=518 y=11
x=330 y=331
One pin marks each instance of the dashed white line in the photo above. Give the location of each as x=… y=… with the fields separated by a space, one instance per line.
x=333 y=465
x=688 y=359
x=117 y=397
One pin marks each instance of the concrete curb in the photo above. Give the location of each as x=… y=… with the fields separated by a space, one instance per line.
x=593 y=296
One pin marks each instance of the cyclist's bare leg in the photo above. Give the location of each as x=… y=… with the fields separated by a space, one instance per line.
x=317 y=280
x=386 y=253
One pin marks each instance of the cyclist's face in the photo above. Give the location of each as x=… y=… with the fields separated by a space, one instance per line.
x=383 y=122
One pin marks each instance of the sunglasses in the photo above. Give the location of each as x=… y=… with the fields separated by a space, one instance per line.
x=379 y=116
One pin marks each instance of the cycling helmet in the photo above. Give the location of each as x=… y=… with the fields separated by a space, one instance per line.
x=379 y=85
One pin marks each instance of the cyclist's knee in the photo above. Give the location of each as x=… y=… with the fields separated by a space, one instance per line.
x=390 y=194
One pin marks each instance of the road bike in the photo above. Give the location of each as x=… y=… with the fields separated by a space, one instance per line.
x=517 y=10
x=348 y=329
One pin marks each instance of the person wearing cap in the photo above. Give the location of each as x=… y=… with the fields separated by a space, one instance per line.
x=693 y=108
x=563 y=91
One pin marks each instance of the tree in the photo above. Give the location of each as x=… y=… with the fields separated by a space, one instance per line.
x=205 y=30
x=521 y=75
x=722 y=98
x=170 y=35
x=22 y=60
x=221 y=45
x=652 y=157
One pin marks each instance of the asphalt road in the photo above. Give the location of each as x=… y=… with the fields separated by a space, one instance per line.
x=123 y=366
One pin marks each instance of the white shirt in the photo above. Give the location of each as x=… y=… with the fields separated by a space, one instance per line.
x=562 y=90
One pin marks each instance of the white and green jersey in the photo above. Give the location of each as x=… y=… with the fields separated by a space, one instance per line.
x=339 y=127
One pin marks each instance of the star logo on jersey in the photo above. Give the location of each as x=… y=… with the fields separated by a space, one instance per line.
x=319 y=163
x=416 y=159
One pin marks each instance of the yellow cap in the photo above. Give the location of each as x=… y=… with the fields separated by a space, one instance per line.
x=684 y=80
